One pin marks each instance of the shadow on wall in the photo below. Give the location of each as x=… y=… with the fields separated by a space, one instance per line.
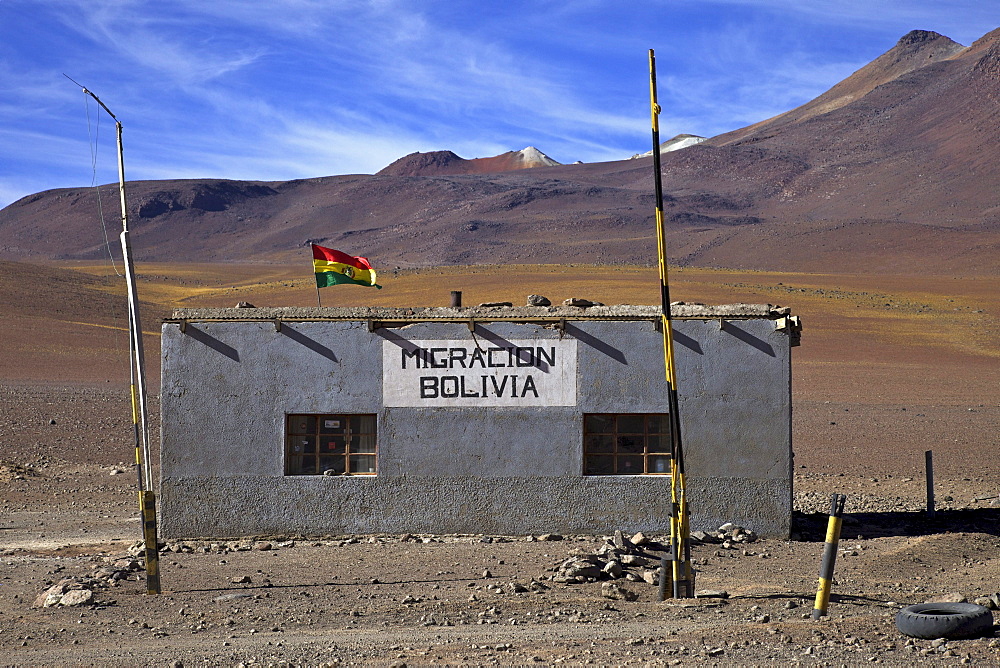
x=747 y=337
x=212 y=342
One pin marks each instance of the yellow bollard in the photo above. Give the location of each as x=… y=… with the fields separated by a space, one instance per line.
x=829 y=555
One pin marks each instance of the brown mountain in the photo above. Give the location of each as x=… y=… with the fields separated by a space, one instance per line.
x=891 y=170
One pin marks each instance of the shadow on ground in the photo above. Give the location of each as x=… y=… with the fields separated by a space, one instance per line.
x=811 y=527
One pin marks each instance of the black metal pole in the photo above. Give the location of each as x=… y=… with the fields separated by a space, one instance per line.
x=929 y=470
x=680 y=547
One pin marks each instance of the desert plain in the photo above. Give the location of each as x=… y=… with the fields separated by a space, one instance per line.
x=890 y=366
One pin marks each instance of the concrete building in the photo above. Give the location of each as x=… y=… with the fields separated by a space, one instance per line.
x=471 y=420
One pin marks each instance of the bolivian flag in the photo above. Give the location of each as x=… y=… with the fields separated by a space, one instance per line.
x=333 y=267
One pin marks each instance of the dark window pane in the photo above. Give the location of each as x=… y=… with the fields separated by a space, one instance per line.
x=659 y=464
x=301 y=424
x=632 y=444
x=299 y=445
x=657 y=443
x=335 y=464
x=601 y=465
x=294 y=465
x=331 y=444
x=362 y=463
x=307 y=466
x=630 y=424
x=630 y=465
x=599 y=443
x=657 y=424
x=599 y=424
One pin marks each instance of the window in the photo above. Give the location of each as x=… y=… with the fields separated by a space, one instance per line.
x=315 y=444
x=626 y=444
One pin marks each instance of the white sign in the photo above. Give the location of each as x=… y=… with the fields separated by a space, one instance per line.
x=536 y=372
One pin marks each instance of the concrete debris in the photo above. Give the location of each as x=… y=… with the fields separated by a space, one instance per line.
x=581 y=303
x=619 y=558
x=579 y=570
x=639 y=539
x=992 y=601
x=496 y=305
x=727 y=533
x=76 y=597
x=613 y=569
x=538 y=300
x=633 y=560
x=621 y=542
x=616 y=592
x=80 y=590
x=711 y=593
x=68 y=592
x=950 y=597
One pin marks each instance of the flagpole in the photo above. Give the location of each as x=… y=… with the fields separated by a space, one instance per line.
x=319 y=302
x=680 y=546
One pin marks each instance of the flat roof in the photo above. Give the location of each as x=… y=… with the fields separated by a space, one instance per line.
x=679 y=310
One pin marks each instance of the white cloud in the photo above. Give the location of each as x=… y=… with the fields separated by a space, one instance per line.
x=298 y=88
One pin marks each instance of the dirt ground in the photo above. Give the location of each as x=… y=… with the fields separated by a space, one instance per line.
x=69 y=509
x=866 y=408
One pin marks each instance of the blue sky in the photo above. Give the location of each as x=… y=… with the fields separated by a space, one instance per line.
x=300 y=88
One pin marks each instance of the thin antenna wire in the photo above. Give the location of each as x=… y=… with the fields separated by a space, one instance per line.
x=93 y=137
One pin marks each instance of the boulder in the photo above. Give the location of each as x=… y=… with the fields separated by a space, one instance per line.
x=538 y=300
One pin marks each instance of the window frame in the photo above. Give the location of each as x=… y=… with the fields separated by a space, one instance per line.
x=320 y=429
x=617 y=452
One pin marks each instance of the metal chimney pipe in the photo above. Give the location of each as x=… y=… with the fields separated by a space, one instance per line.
x=456 y=298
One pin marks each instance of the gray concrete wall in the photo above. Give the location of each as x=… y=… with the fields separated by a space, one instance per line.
x=227 y=386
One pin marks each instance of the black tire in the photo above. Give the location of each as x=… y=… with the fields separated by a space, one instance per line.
x=945 y=620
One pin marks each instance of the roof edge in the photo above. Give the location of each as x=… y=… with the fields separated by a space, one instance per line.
x=430 y=314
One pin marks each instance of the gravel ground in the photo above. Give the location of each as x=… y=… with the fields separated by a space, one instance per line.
x=68 y=510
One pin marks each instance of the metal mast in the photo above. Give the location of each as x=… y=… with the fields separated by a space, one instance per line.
x=140 y=428
x=680 y=546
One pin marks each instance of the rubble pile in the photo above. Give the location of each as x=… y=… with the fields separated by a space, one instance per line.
x=637 y=558
x=619 y=558
x=729 y=535
x=80 y=590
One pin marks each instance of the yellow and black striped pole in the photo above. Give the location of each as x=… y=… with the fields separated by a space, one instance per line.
x=829 y=555
x=680 y=546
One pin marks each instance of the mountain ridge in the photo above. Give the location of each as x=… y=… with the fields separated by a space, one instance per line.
x=899 y=178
